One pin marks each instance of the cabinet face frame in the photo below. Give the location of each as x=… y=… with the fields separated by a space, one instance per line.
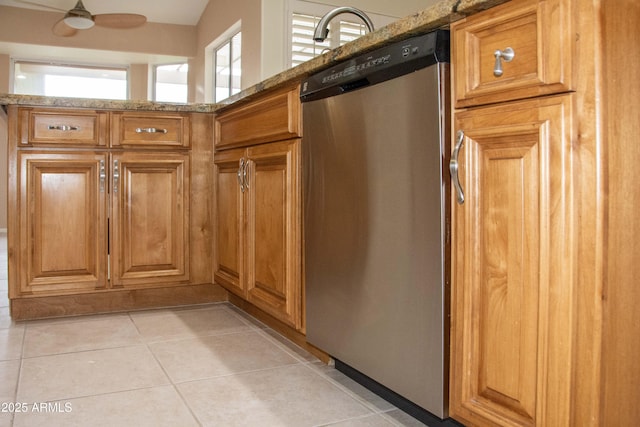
x=513 y=268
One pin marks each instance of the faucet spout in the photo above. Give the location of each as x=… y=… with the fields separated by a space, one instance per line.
x=322 y=31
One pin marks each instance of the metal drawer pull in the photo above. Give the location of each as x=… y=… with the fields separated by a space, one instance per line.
x=453 y=167
x=507 y=55
x=151 y=130
x=63 y=127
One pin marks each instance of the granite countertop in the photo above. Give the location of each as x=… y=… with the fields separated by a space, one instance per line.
x=437 y=16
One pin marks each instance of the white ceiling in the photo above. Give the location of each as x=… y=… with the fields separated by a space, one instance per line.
x=184 y=12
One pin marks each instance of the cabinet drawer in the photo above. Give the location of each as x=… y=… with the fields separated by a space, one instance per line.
x=150 y=129
x=274 y=117
x=62 y=127
x=538 y=32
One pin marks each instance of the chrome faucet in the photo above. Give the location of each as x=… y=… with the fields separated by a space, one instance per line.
x=322 y=31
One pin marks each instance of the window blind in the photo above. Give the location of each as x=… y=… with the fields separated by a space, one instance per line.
x=303 y=46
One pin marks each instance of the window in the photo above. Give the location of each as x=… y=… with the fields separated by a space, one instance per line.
x=345 y=27
x=77 y=81
x=171 y=83
x=305 y=48
x=228 y=70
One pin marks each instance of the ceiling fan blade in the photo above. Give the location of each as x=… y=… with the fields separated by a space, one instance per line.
x=119 y=20
x=63 y=30
x=41 y=5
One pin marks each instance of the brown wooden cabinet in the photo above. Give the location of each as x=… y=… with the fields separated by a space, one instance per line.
x=513 y=253
x=539 y=34
x=273 y=230
x=541 y=309
x=511 y=344
x=258 y=228
x=94 y=210
x=272 y=117
x=62 y=222
x=150 y=129
x=149 y=219
x=230 y=240
x=61 y=127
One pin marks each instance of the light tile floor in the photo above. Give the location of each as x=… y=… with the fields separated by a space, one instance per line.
x=210 y=365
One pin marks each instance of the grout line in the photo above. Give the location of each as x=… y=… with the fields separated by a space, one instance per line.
x=186 y=403
x=174 y=385
x=362 y=400
x=87 y=350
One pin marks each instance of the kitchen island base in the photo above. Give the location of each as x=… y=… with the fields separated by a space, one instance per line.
x=114 y=301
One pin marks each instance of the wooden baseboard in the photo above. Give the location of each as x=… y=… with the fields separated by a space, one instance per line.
x=287 y=331
x=115 y=301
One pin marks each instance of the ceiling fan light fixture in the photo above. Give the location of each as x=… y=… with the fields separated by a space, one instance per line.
x=79 y=22
x=79 y=17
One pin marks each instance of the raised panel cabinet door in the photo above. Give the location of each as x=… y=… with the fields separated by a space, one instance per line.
x=273 y=222
x=150 y=219
x=62 y=216
x=229 y=239
x=513 y=260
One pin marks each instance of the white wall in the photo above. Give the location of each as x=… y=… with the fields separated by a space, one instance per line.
x=217 y=18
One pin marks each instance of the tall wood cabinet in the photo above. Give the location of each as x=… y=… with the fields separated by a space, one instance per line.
x=512 y=303
x=100 y=201
x=530 y=313
x=258 y=220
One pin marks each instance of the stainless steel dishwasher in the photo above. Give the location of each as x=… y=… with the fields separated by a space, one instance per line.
x=376 y=199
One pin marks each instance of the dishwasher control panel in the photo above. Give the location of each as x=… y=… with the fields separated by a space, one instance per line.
x=379 y=65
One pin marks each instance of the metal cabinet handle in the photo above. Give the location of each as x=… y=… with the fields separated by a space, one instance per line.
x=151 y=130
x=241 y=174
x=103 y=175
x=453 y=167
x=244 y=175
x=116 y=175
x=507 y=55
x=64 y=128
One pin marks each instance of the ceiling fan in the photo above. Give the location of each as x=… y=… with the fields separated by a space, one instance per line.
x=79 y=18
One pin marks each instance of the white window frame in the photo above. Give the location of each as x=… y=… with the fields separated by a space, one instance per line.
x=125 y=68
x=209 y=54
x=154 y=81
